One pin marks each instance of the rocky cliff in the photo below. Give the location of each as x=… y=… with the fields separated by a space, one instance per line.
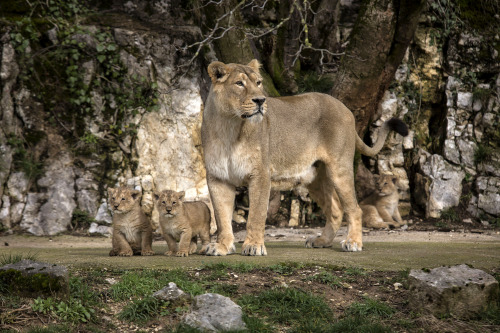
x=99 y=96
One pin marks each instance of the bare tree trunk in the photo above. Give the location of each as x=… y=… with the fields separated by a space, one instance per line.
x=379 y=40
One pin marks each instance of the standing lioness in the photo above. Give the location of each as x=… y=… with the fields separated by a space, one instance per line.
x=263 y=143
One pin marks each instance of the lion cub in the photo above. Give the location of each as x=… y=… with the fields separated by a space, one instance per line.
x=132 y=231
x=380 y=209
x=183 y=221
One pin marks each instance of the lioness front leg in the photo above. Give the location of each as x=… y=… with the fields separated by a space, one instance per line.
x=222 y=195
x=258 y=192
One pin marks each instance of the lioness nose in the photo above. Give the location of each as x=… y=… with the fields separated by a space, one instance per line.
x=259 y=101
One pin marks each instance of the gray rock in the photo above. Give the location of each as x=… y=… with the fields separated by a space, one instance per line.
x=29 y=278
x=99 y=229
x=171 y=293
x=214 y=313
x=458 y=290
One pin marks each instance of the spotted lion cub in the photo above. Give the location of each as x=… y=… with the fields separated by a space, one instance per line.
x=132 y=231
x=183 y=221
x=380 y=209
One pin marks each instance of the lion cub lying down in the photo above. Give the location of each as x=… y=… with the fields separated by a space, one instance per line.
x=380 y=209
x=132 y=231
x=183 y=221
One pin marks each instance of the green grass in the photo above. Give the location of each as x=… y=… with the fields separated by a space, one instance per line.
x=370 y=307
x=141 y=310
x=327 y=278
x=9 y=258
x=287 y=306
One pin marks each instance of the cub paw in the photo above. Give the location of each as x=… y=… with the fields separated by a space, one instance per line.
x=349 y=245
x=169 y=253
x=203 y=250
x=254 y=250
x=126 y=254
x=317 y=242
x=182 y=254
x=147 y=253
x=216 y=249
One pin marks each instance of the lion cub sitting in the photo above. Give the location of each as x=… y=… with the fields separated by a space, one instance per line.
x=380 y=209
x=132 y=231
x=183 y=221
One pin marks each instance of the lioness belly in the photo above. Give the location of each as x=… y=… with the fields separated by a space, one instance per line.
x=291 y=178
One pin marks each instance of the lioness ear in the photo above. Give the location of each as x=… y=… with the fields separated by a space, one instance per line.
x=217 y=71
x=255 y=64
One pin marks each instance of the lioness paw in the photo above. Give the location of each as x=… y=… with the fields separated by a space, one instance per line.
x=147 y=253
x=318 y=242
x=254 y=250
x=351 y=246
x=216 y=249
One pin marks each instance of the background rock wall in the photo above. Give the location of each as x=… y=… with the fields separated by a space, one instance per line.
x=55 y=166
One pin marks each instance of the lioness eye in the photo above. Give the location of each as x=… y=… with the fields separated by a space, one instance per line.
x=240 y=83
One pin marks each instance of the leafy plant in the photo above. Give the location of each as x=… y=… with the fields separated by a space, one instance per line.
x=23 y=159
x=72 y=311
x=450 y=214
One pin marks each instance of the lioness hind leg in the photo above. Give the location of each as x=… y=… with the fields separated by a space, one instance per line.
x=322 y=191
x=343 y=179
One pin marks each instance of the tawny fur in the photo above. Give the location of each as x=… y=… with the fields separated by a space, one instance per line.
x=183 y=221
x=262 y=142
x=132 y=231
x=380 y=209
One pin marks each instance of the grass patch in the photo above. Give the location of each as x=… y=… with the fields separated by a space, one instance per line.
x=286 y=268
x=7 y=259
x=327 y=278
x=370 y=308
x=142 y=310
x=287 y=306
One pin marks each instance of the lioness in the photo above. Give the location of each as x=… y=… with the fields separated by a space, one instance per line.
x=183 y=221
x=132 y=232
x=263 y=143
x=380 y=209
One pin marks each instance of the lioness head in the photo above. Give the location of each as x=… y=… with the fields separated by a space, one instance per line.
x=122 y=199
x=386 y=184
x=238 y=90
x=169 y=202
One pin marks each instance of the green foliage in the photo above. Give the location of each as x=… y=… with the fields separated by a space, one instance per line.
x=287 y=306
x=140 y=283
x=23 y=159
x=71 y=311
x=286 y=268
x=312 y=81
x=142 y=310
x=482 y=153
x=370 y=307
x=81 y=219
x=50 y=329
x=81 y=289
x=68 y=73
x=10 y=258
x=450 y=214
x=326 y=278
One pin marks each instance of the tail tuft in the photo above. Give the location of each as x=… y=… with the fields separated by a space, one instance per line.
x=398 y=126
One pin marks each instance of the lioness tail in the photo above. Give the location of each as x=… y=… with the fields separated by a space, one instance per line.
x=393 y=124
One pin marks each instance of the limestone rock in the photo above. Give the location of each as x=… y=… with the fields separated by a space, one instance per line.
x=100 y=229
x=458 y=290
x=489 y=194
x=214 y=313
x=171 y=293
x=444 y=186
x=294 y=213
x=29 y=278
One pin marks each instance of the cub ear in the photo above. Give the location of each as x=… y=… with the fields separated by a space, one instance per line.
x=111 y=191
x=394 y=180
x=135 y=194
x=255 y=65
x=218 y=72
x=156 y=196
x=181 y=195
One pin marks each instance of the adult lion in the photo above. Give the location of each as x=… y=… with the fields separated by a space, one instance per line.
x=263 y=143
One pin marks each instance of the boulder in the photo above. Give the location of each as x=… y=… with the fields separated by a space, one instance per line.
x=171 y=293
x=460 y=291
x=214 y=313
x=29 y=278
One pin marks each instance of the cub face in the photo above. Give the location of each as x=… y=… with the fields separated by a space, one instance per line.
x=169 y=203
x=386 y=184
x=240 y=89
x=122 y=199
